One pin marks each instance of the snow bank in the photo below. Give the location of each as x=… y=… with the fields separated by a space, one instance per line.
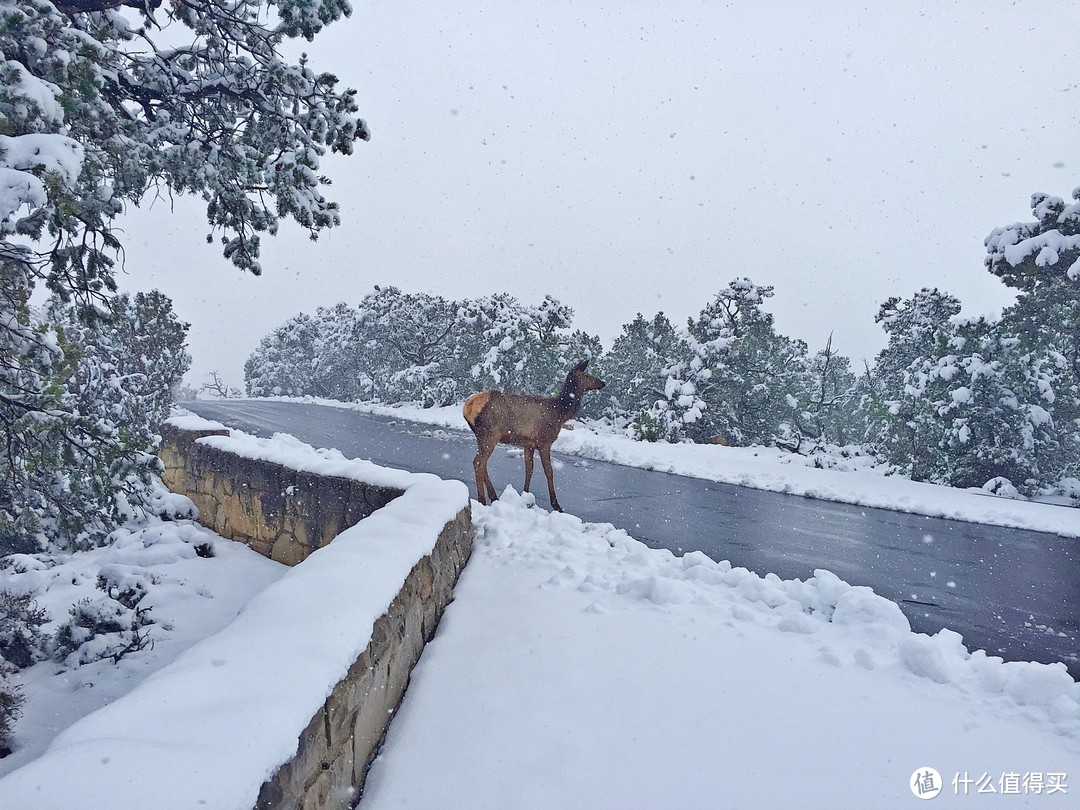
x=209 y=729
x=577 y=667
x=608 y=559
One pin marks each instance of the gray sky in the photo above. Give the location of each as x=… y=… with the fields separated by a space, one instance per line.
x=637 y=157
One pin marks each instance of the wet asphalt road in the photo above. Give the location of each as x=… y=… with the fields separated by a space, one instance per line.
x=1011 y=592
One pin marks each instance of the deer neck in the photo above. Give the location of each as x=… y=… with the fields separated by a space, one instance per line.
x=568 y=400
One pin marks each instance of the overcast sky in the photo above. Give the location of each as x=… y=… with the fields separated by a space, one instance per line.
x=638 y=156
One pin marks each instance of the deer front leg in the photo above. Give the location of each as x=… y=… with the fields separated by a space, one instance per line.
x=483 y=480
x=480 y=471
x=528 y=466
x=545 y=460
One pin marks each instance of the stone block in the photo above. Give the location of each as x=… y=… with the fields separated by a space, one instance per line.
x=312 y=751
x=372 y=719
x=378 y=497
x=286 y=549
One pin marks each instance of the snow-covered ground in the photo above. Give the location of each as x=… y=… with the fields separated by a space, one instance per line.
x=577 y=667
x=190 y=597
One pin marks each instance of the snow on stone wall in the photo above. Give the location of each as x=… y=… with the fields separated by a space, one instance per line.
x=281 y=498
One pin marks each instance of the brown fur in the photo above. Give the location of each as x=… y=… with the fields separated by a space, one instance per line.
x=475 y=404
x=530 y=422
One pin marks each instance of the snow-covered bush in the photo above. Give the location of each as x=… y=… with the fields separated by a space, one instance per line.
x=22 y=641
x=101 y=628
x=648 y=428
x=11 y=701
x=1067 y=488
x=1003 y=488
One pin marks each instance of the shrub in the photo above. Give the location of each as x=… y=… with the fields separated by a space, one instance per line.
x=11 y=701
x=21 y=641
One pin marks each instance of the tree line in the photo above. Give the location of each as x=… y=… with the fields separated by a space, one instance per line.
x=950 y=400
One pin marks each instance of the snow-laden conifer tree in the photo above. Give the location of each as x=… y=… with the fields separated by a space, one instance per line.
x=80 y=431
x=823 y=402
x=522 y=347
x=914 y=327
x=138 y=343
x=976 y=408
x=32 y=368
x=738 y=377
x=1041 y=260
x=636 y=373
x=285 y=362
x=962 y=402
x=101 y=103
x=338 y=354
x=410 y=349
x=495 y=337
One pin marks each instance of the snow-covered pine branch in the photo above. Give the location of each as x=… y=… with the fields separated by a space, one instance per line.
x=97 y=112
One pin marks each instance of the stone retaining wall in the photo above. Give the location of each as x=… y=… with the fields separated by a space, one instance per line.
x=283 y=514
x=287 y=514
x=338 y=746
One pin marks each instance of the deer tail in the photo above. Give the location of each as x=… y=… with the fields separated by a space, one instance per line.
x=473 y=406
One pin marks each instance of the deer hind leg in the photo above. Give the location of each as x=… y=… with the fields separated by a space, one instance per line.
x=528 y=466
x=545 y=460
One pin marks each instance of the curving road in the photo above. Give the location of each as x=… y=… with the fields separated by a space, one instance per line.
x=1011 y=592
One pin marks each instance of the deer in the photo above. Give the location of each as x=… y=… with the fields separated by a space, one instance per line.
x=529 y=422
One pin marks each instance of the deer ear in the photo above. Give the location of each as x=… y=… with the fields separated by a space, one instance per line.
x=582 y=365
